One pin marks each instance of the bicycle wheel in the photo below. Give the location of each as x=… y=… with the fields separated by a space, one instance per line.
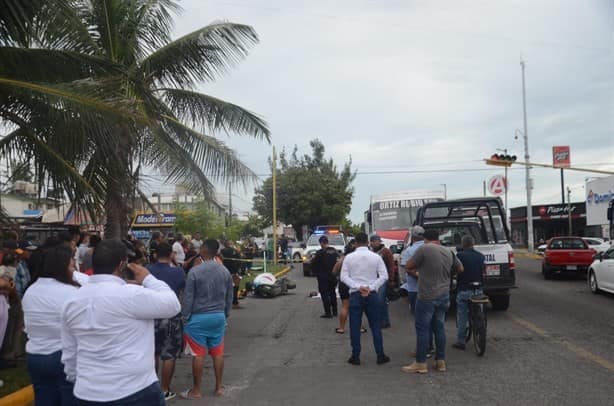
x=479 y=330
x=468 y=330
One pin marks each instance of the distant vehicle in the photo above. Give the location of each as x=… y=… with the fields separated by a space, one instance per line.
x=598 y=244
x=566 y=254
x=601 y=272
x=484 y=220
x=336 y=239
x=611 y=220
x=391 y=215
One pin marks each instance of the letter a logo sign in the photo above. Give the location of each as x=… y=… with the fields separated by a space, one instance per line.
x=497 y=185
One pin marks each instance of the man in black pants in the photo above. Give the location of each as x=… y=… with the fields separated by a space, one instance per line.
x=230 y=258
x=323 y=264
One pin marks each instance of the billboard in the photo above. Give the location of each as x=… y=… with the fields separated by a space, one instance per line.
x=599 y=192
x=561 y=156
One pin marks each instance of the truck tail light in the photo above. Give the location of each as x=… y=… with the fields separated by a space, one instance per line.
x=510 y=260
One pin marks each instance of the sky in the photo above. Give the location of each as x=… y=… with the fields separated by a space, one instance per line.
x=428 y=88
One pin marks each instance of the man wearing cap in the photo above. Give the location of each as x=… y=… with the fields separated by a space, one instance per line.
x=386 y=254
x=23 y=277
x=323 y=263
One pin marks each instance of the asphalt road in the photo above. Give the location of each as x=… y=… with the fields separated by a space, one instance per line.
x=552 y=347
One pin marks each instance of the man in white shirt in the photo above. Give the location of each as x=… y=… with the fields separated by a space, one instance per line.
x=108 y=331
x=196 y=241
x=364 y=272
x=178 y=250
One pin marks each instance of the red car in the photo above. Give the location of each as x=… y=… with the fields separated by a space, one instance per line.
x=566 y=254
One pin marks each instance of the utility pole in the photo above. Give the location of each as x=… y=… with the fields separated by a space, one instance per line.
x=569 y=210
x=274 y=178
x=562 y=186
x=529 y=186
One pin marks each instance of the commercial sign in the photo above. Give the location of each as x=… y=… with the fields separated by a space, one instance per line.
x=599 y=192
x=497 y=185
x=561 y=156
x=152 y=220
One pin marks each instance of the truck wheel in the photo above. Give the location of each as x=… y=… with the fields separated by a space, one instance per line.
x=296 y=257
x=500 y=302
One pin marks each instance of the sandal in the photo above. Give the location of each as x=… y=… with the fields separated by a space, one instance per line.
x=339 y=331
x=186 y=395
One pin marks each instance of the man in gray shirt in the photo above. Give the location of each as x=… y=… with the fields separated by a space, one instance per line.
x=206 y=305
x=434 y=265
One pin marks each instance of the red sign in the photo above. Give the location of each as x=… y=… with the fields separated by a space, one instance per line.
x=561 y=156
x=497 y=185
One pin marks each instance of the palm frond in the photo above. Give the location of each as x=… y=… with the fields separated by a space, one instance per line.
x=23 y=143
x=218 y=161
x=84 y=94
x=52 y=66
x=212 y=114
x=199 y=56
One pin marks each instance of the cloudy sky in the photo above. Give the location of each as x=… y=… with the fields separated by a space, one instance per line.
x=428 y=88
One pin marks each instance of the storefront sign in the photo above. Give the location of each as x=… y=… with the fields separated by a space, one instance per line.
x=152 y=220
x=497 y=185
x=599 y=192
x=561 y=156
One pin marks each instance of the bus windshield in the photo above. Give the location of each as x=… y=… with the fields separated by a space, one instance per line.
x=396 y=214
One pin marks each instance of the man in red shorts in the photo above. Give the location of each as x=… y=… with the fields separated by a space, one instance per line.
x=206 y=305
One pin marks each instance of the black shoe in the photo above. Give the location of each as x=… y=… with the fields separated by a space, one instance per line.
x=335 y=313
x=386 y=325
x=459 y=346
x=382 y=359
x=327 y=316
x=354 y=360
x=430 y=353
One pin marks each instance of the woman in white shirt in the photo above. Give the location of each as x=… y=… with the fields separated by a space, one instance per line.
x=42 y=306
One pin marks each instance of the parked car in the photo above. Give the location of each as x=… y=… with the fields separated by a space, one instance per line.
x=598 y=244
x=601 y=272
x=566 y=254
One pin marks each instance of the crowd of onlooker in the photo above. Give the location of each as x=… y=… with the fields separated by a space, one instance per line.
x=98 y=312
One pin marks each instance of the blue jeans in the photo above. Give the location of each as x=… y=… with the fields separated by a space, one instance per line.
x=371 y=306
x=50 y=385
x=412 y=296
x=431 y=314
x=384 y=316
x=462 y=312
x=150 y=396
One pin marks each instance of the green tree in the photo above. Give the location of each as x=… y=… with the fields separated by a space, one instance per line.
x=97 y=91
x=311 y=190
x=253 y=226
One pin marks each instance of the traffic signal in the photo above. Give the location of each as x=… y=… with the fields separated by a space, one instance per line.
x=501 y=160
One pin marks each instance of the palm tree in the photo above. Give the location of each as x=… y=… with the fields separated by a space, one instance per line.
x=97 y=92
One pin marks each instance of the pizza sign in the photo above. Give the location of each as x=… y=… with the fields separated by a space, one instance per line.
x=561 y=156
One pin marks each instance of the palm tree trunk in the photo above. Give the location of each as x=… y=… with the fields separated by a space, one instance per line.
x=118 y=190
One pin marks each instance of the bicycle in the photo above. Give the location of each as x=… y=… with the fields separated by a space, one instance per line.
x=477 y=319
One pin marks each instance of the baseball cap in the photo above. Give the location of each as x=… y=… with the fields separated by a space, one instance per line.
x=375 y=237
x=26 y=245
x=417 y=231
x=323 y=239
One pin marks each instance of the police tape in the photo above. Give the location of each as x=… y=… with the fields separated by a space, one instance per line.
x=259 y=260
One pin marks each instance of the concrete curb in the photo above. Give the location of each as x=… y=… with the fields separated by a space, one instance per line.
x=277 y=275
x=527 y=255
x=23 y=397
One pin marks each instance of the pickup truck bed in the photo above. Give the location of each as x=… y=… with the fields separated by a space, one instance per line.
x=566 y=254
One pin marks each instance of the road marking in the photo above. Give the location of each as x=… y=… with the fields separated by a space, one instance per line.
x=571 y=347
